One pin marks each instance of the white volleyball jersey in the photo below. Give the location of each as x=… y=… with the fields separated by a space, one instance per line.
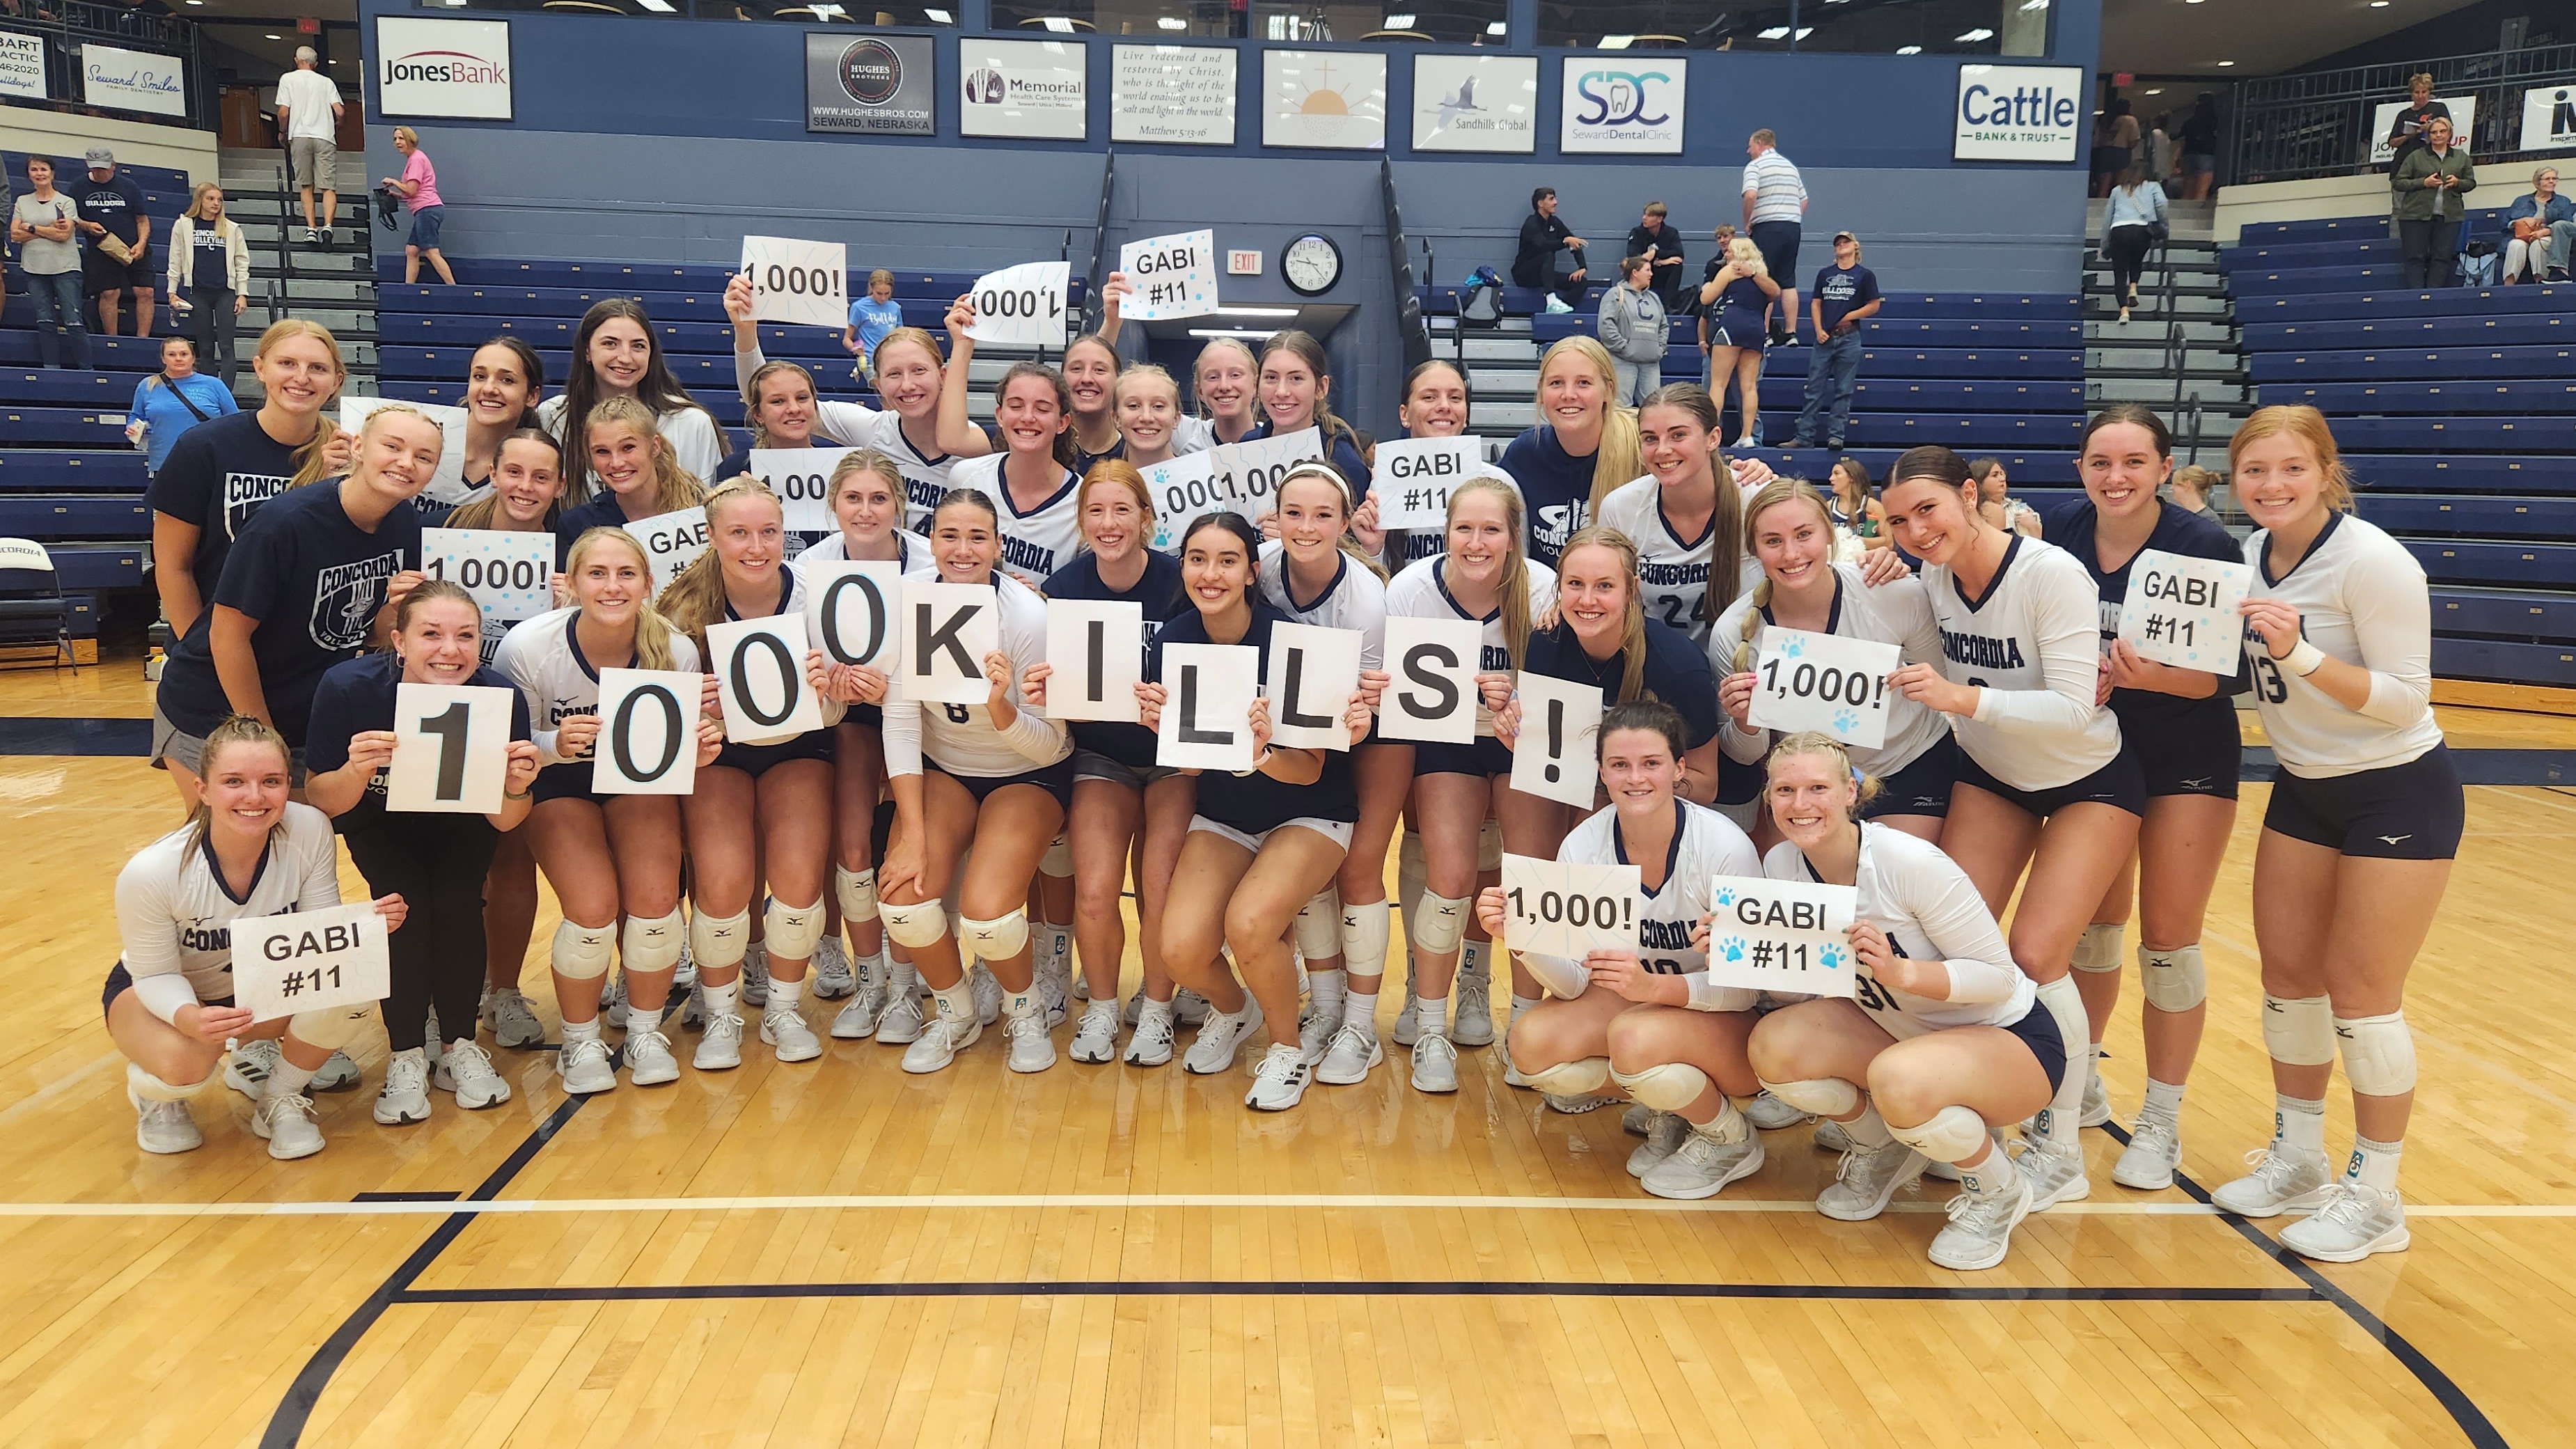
x=2032 y=644
x=925 y=478
x=543 y=657
x=1426 y=542
x=911 y=551
x=2361 y=598
x=1929 y=910
x=1192 y=435
x=848 y=423
x=174 y=912
x=1672 y=572
x=1421 y=593
x=1036 y=543
x=1707 y=845
x=1899 y=613
x=960 y=738
x=1356 y=599
x=697 y=443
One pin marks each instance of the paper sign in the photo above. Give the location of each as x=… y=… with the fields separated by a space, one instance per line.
x=1557 y=756
x=947 y=631
x=310 y=961
x=853 y=611
x=802 y=479
x=1182 y=489
x=510 y=575
x=1431 y=695
x=1249 y=472
x=1804 y=681
x=451 y=749
x=802 y=283
x=760 y=679
x=1773 y=935
x=1207 y=714
x=447 y=483
x=1097 y=648
x=672 y=541
x=1557 y=909
x=2181 y=610
x=2464 y=118
x=1174 y=276
x=648 y=732
x=1411 y=478
x=1022 y=306
x=1313 y=674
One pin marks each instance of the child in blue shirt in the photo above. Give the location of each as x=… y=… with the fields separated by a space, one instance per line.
x=871 y=318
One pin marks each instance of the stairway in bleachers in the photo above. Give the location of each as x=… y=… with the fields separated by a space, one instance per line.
x=2192 y=336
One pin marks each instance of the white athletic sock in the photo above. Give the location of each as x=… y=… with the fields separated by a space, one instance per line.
x=2374 y=1164
x=2164 y=1099
x=1324 y=990
x=784 y=995
x=1471 y=959
x=286 y=1079
x=1431 y=1015
x=721 y=999
x=2299 y=1122
x=1359 y=1009
x=1868 y=1129
x=1522 y=1004
x=1020 y=1003
x=903 y=979
x=574 y=1031
x=957 y=1002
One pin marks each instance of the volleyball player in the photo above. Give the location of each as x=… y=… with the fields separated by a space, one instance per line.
x=1583 y=445
x=1608 y=1014
x=522 y=489
x=1296 y=394
x=2358 y=838
x=1686 y=516
x=842 y=421
x=2181 y=724
x=1090 y=369
x=1149 y=416
x=2044 y=779
x=908 y=376
x=615 y=354
x=997 y=775
x=1854 y=511
x=503 y=380
x=1943 y=1039
x=1225 y=379
x=605 y=855
x=780 y=411
x=638 y=473
x=1033 y=479
x=1264 y=841
x=434 y=860
x=1434 y=404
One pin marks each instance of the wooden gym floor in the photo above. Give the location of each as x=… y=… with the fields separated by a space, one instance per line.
x=838 y=1253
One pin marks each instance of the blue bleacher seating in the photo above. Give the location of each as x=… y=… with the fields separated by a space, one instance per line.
x=2367 y=364
x=2527 y=330
x=2347 y=399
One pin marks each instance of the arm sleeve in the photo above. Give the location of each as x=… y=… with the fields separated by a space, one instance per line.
x=746 y=363
x=1945 y=902
x=177 y=253
x=1707 y=996
x=2468 y=175
x=1564 y=979
x=2069 y=634
x=150 y=937
x=2394 y=626
x=902 y=734
x=1032 y=735
x=510 y=664
x=843 y=421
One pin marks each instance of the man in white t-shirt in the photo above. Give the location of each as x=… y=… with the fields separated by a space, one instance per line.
x=308 y=119
x=1775 y=210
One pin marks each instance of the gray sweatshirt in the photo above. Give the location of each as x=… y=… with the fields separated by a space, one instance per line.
x=1633 y=325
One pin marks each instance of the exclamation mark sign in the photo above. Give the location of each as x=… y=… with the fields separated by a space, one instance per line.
x=1555 y=739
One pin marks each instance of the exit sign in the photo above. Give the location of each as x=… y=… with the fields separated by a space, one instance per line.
x=1243 y=264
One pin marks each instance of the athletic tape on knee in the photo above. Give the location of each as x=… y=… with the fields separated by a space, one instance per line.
x=2299 y=1031
x=1824 y=1096
x=1441 y=924
x=914 y=926
x=1489 y=847
x=2098 y=949
x=654 y=944
x=2173 y=980
x=792 y=931
x=998 y=939
x=1665 y=1086
x=1952 y=1134
x=718 y=942
x=1058 y=861
x=581 y=953
x=1319 y=926
x=150 y=1088
x=857 y=892
x=1579 y=1078
x=2378 y=1054
x=333 y=1028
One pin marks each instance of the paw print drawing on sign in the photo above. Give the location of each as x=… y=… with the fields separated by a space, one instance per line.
x=1845 y=721
x=1725 y=896
x=1792 y=648
x=1831 y=957
x=1732 y=948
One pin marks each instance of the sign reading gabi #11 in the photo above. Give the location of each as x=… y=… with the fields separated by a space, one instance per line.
x=2019 y=113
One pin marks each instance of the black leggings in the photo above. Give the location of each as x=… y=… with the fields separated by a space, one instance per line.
x=2128 y=254
x=436 y=863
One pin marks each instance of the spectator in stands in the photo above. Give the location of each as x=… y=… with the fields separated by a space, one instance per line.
x=1634 y=328
x=173 y=400
x=1855 y=511
x=119 y=255
x=503 y=380
x=2192 y=486
x=418 y=187
x=2533 y=225
x=308 y=116
x=2115 y=146
x=616 y=353
x=1550 y=254
x=871 y=318
x=2407 y=133
x=1661 y=244
x=210 y=265
x=1775 y=213
x=1737 y=297
x=1846 y=295
x=2000 y=508
x=2160 y=149
x=2429 y=183
x=2200 y=148
x=2132 y=221
x=42 y=223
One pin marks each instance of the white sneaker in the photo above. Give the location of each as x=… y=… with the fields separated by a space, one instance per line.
x=1979 y=1232
x=287 y=1123
x=164 y=1127
x=720 y=1046
x=1095 y=1040
x=2154 y=1151
x=833 y=978
x=1031 y=1048
x=1513 y=1076
x=685 y=974
x=1406 y=1031
x=988 y=994
x=2055 y=1175
x=338 y=1074
x=649 y=1062
x=1052 y=994
x=1348 y=1057
x=857 y=1021
x=755 y=974
x=512 y=1020
x=1221 y=1038
x=693 y=1010
x=1703 y=1165
x=1866 y=1178
x=1153 y=1041
x=2354 y=1222
x=1435 y=1064
x=1639 y=1119
x=1770 y=1114
x=1279 y=1080
x=2097 y=1100
x=246 y=1069
x=1830 y=1136
x=1189 y=1008
x=1315 y=1035
x=612 y=1004
x=1082 y=989
x=1577 y=1106
x=465 y=1073
x=784 y=1028
x=433 y=1041
x=1134 y=1010
x=900 y=1023
x=1664 y=1136
x=1472 y=1016
x=2284 y=1180
x=940 y=1042
x=584 y=1067
x=405 y=1099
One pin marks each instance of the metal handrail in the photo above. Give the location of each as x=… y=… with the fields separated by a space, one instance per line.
x=1093 y=304
x=1410 y=324
x=2187 y=413
x=285 y=250
x=2319 y=124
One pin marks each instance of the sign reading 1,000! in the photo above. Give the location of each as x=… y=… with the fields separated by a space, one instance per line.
x=802 y=283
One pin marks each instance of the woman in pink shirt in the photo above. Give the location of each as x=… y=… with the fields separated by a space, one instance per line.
x=418 y=186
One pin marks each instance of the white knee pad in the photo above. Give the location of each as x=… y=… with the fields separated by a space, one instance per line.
x=1665 y=1086
x=654 y=945
x=2299 y=1031
x=149 y=1088
x=332 y=1028
x=2173 y=980
x=1952 y=1134
x=998 y=939
x=1058 y=861
x=1441 y=923
x=1579 y=1078
x=581 y=953
x=2378 y=1054
x=857 y=892
x=792 y=931
x=2098 y=949
x=1364 y=930
x=718 y=942
x=1823 y=1096
x=914 y=926
x=1489 y=847
x=1319 y=927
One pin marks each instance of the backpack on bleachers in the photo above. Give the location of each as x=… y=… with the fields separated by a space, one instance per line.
x=2478 y=268
x=1482 y=305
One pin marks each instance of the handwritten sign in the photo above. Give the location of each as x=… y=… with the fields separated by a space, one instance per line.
x=1773 y=935
x=1411 y=478
x=1804 y=681
x=802 y=479
x=509 y=574
x=2181 y=611
x=648 y=732
x=1249 y=471
x=451 y=749
x=310 y=961
x=1097 y=650
x=1174 y=276
x=1182 y=489
x=1559 y=909
x=1022 y=306
x=1556 y=756
x=802 y=283
x=672 y=541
